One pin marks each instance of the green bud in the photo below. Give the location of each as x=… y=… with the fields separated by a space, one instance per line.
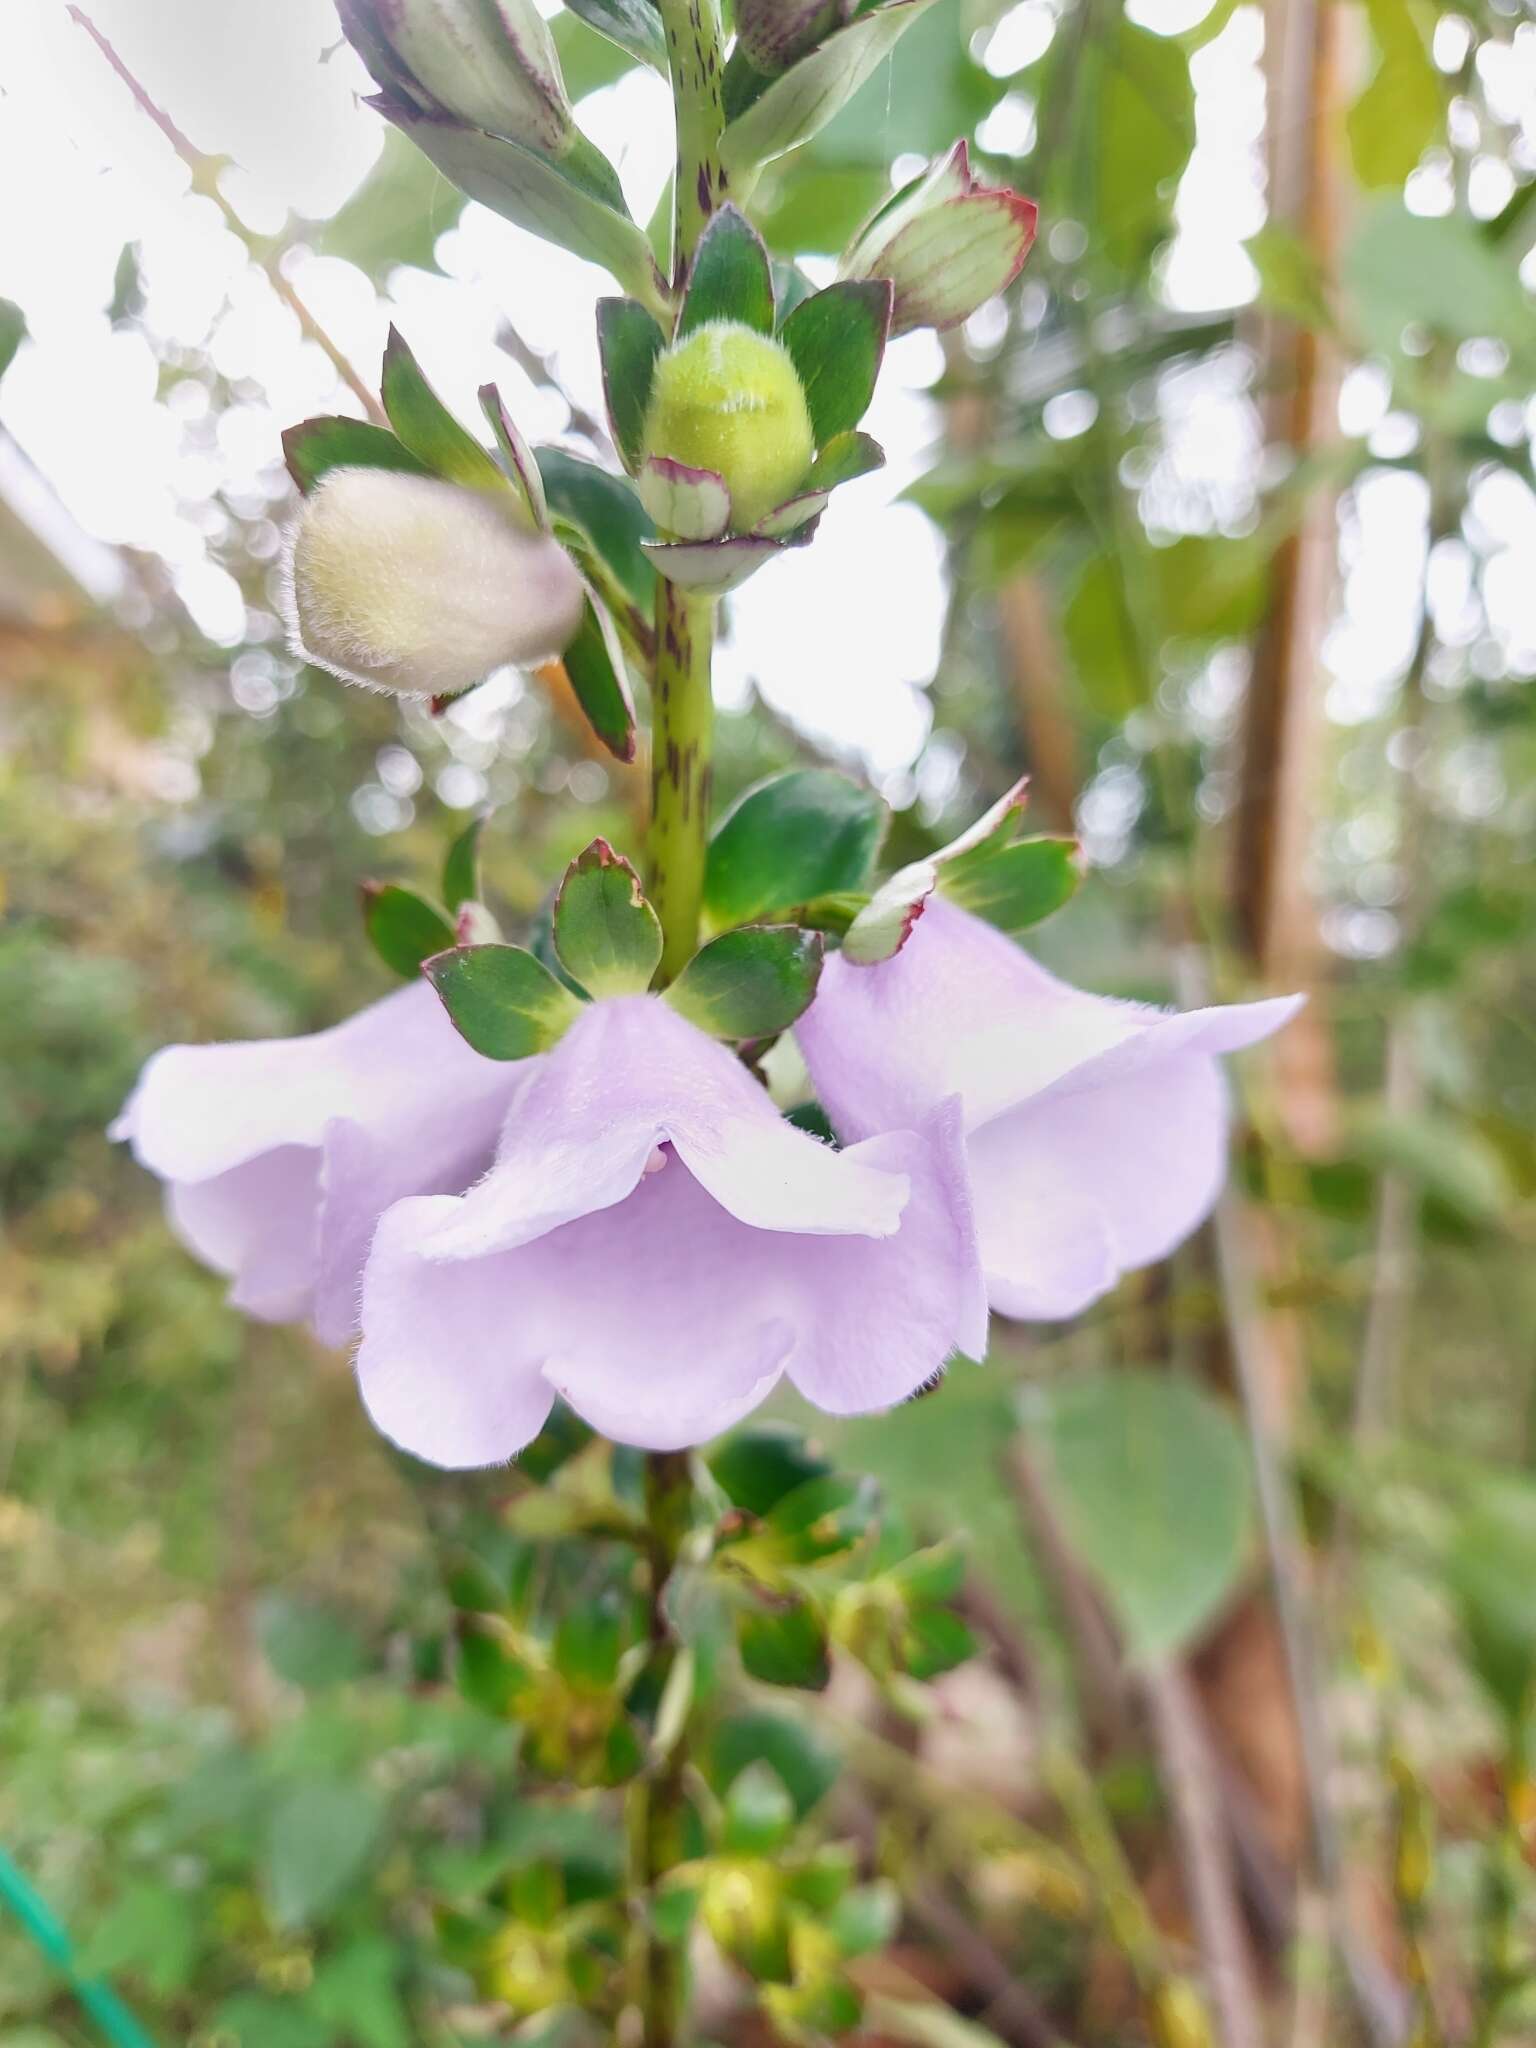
x=728 y=399
x=773 y=33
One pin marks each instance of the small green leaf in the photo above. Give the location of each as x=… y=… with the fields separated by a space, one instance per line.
x=1014 y=887
x=865 y=1919
x=461 y=867
x=518 y=456
x=628 y=341
x=426 y=426
x=1151 y=1479
x=784 y=1645
x=606 y=934
x=750 y=983
x=826 y=1515
x=1491 y=1575
x=404 y=928
x=730 y=278
x=503 y=1001
x=934 y=1641
x=1402 y=109
x=759 y=1813
x=307 y=1643
x=589 y=1642
x=490 y=1677
x=594 y=661
x=808 y=1770
x=795 y=837
x=606 y=515
x=319 y=1836
x=634 y=25
x=836 y=340
x=315 y=446
x=759 y=1465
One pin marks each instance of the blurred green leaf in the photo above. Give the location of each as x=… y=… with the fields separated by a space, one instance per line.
x=1435 y=271
x=307 y=1643
x=803 y=1765
x=1151 y=1479
x=1402 y=110
x=837 y=340
x=759 y=1813
x=784 y=1645
x=1491 y=1574
x=13 y=332
x=757 y=1466
x=395 y=216
x=606 y=933
x=403 y=928
x=320 y=1835
x=752 y=982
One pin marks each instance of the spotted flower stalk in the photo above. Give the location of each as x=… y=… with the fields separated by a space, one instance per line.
x=546 y=1188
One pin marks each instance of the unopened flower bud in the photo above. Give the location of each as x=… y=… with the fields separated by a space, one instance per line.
x=410 y=584
x=729 y=399
x=947 y=243
x=773 y=33
x=490 y=64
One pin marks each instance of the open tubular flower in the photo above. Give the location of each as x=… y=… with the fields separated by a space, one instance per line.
x=946 y=242
x=280 y=1154
x=658 y=1247
x=1096 y=1131
x=729 y=399
x=423 y=587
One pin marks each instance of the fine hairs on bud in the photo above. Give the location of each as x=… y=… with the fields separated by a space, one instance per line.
x=410 y=584
x=729 y=399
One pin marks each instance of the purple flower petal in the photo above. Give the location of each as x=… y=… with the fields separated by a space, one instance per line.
x=281 y=1154
x=1097 y=1130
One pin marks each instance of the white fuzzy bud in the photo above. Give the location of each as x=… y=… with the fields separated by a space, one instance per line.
x=410 y=584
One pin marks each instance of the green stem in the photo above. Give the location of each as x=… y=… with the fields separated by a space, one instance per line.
x=696 y=58
x=658 y=1804
x=682 y=717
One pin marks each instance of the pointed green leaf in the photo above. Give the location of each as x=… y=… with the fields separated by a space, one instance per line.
x=461 y=867
x=837 y=339
x=319 y=1835
x=807 y=1770
x=403 y=927
x=1402 y=110
x=635 y=25
x=808 y=833
x=601 y=511
x=693 y=504
x=426 y=426
x=315 y=446
x=785 y=1646
x=1014 y=887
x=802 y=100
x=934 y=1641
x=503 y=1001
x=759 y=1465
x=628 y=341
x=570 y=203
x=523 y=470
x=730 y=278
x=750 y=983
x=594 y=661
x=606 y=934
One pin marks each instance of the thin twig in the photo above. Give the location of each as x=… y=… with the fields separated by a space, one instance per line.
x=205 y=170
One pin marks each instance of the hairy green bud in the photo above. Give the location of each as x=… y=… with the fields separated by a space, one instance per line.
x=729 y=399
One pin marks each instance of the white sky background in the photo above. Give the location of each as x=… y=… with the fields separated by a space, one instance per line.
x=840 y=638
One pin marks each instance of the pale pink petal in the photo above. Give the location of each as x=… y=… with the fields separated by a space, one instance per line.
x=1045 y=1240
x=630 y=1075
x=256 y=1224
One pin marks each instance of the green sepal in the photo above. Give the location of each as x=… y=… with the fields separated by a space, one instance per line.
x=502 y=1001
x=628 y=343
x=692 y=504
x=634 y=25
x=461 y=867
x=316 y=446
x=607 y=936
x=403 y=928
x=785 y=1645
x=730 y=277
x=845 y=457
x=752 y=982
x=602 y=516
x=758 y=1466
x=1015 y=887
x=522 y=469
x=836 y=340
x=759 y=1813
x=425 y=425
x=594 y=661
x=805 y=834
